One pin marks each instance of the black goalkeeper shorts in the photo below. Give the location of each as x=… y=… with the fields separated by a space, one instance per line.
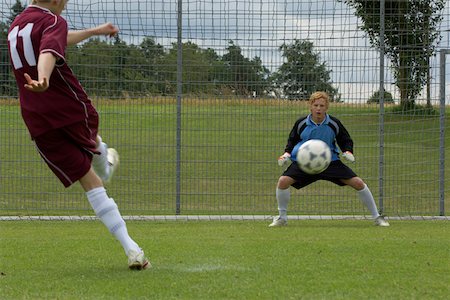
x=336 y=171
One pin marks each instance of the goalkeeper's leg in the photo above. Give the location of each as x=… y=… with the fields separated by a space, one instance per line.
x=364 y=194
x=366 y=197
x=283 y=196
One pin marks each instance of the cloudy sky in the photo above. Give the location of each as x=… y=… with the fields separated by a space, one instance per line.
x=259 y=27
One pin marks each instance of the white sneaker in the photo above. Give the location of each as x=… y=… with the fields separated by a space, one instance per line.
x=278 y=221
x=137 y=260
x=113 y=161
x=380 y=221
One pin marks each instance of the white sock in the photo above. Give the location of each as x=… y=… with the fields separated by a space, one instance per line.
x=100 y=161
x=283 y=197
x=106 y=209
x=366 y=197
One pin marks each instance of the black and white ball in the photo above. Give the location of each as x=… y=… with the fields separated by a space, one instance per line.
x=314 y=156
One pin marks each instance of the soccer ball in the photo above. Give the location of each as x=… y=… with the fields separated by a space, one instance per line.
x=314 y=156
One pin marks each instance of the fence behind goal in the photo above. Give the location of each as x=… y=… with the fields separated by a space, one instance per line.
x=199 y=97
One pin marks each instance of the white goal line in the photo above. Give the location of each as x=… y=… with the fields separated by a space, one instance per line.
x=216 y=218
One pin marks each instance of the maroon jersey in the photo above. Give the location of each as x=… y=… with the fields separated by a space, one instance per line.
x=37 y=30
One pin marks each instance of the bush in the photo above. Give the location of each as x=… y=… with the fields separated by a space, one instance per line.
x=412 y=109
x=375 y=98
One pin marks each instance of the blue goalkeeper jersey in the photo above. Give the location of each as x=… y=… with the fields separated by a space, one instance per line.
x=331 y=131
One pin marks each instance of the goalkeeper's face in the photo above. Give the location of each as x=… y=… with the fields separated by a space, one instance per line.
x=318 y=110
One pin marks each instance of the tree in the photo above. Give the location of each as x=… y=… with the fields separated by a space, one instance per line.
x=4 y=60
x=410 y=34
x=375 y=98
x=243 y=76
x=110 y=69
x=8 y=86
x=199 y=69
x=302 y=73
x=94 y=64
x=16 y=9
x=153 y=67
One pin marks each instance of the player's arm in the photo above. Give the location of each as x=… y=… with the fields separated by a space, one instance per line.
x=294 y=135
x=345 y=142
x=76 y=36
x=293 y=139
x=46 y=64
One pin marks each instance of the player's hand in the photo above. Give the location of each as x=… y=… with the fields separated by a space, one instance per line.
x=284 y=159
x=106 y=29
x=35 y=85
x=348 y=156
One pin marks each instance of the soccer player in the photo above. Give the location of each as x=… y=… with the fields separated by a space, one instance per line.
x=319 y=125
x=60 y=117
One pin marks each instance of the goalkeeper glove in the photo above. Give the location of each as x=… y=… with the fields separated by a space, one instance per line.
x=348 y=156
x=284 y=159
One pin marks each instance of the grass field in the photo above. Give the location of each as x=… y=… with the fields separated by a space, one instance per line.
x=228 y=160
x=313 y=259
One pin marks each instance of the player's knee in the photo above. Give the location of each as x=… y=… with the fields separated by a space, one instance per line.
x=284 y=182
x=357 y=183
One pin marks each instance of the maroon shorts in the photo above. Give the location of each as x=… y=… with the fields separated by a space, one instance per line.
x=68 y=150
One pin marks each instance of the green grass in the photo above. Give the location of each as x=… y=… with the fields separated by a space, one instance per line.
x=336 y=259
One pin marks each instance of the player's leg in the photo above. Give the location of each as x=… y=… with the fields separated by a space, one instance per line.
x=100 y=160
x=283 y=196
x=106 y=161
x=107 y=211
x=60 y=148
x=366 y=197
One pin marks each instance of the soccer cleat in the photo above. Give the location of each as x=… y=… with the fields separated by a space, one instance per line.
x=278 y=221
x=380 y=221
x=113 y=161
x=137 y=260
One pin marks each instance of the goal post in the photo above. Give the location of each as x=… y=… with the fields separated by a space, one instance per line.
x=442 y=93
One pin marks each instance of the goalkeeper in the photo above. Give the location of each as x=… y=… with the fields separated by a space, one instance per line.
x=60 y=117
x=319 y=125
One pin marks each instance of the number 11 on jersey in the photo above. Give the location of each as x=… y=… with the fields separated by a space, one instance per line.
x=25 y=34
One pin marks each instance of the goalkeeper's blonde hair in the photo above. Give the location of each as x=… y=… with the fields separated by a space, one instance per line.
x=319 y=95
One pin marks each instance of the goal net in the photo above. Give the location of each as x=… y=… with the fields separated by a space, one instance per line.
x=199 y=98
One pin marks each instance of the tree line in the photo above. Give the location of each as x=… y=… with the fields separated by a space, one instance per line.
x=117 y=69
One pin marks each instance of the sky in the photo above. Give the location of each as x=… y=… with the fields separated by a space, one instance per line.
x=259 y=27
